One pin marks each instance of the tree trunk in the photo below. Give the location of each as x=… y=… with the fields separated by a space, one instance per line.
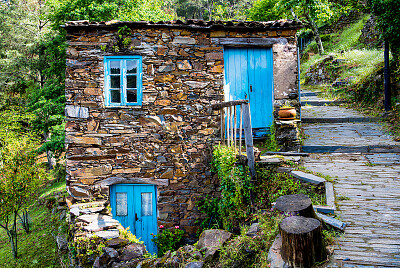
x=296 y=204
x=49 y=154
x=25 y=221
x=302 y=243
x=315 y=31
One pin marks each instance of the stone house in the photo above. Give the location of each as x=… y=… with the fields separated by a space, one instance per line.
x=138 y=127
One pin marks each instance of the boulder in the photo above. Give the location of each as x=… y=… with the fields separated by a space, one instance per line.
x=197 y=264
x=132 y=251
x=62 y=242
x=254 y=229
x=112 y=253
x=212 y=240
x=117 y=242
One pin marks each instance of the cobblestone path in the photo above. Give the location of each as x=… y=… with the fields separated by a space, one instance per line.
x=365 y=165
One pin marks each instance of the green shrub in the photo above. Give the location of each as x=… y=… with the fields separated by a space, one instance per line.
x=167 y=240
x=234 y=205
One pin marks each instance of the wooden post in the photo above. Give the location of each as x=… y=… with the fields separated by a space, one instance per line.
x=223 y=126
x=302 y=244
x=298 y=204
x=231 y=125
x=248 y=136
x=234 y=127
x=227 y=126
x=240 y=130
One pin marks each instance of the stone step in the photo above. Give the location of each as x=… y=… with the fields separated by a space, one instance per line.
x=352 y=149
x=332 y=120
x=320 y=102
x=309 y=94
x=307 y=177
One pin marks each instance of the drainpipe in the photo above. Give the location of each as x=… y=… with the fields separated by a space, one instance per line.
x=386 y=75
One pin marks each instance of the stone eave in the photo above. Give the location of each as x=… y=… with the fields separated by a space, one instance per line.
x=190 y=24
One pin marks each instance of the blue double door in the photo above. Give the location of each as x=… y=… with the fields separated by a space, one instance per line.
x=249 y=75
x=134 y=206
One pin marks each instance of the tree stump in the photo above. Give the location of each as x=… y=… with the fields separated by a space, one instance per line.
x=302 y=243
x=298 y=204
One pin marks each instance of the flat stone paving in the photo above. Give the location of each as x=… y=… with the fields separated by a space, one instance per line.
x=367 y=189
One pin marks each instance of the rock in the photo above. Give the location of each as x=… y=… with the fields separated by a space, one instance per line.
x=77 y=192
x=62 y=242
x=117 y=242
x=197 y=264
x=112 y=253
x=196 y=84
x=212 y=240
x=76 y=111
x=254 y=229
x=132 y=251
x=183 y=40
x=109 y=234
x=62 y=215
x=101 y=261
x=75 y=211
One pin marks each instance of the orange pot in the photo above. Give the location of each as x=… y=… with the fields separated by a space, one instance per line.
x=287 y=113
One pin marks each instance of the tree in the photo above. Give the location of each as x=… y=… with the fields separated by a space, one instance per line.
x=266 y=10
x=388 y=21
x=312 y=12
x=20 y=178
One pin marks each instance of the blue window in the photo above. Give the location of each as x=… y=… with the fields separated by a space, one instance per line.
x=123 y=80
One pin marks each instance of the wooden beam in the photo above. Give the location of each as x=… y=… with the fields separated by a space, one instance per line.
x=259 y=42
x=221 y=105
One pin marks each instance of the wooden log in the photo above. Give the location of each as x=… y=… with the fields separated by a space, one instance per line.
x=302 y=243
x=296 y=204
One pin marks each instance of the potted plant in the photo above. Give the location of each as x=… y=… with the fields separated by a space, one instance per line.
x=287 y=112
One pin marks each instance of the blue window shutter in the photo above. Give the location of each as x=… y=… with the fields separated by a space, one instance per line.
x=123 y=82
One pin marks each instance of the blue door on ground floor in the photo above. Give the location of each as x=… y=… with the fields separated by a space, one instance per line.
x=135 y=206
x=249 y=75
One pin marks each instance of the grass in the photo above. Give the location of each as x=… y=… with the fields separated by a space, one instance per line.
x=38 y=248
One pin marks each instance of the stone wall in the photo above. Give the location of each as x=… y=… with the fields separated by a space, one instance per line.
x=370 y=34
x=168 y=140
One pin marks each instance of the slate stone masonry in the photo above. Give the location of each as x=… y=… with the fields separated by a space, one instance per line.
x=168 y=140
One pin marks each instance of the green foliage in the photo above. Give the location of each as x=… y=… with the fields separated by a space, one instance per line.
x=210 y=207
x=167 y=240
x=270 y=142
x=127 y=234
x=20 y=178
x=36 y=249
x=235 y=185
x=267 y=10
x=388 y=21
x=102 y=10
x=244 y=251
x=212 y=9
x=88 y=248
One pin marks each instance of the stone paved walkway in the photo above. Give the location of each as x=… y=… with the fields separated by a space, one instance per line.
x=365 y=164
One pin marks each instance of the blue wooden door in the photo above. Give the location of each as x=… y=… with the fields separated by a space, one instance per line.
x=134 y=206
x=249 y=75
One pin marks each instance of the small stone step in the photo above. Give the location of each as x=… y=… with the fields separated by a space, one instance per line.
x=324 y=209
x=334 y=120
x=309 y=94
x=307 y=177
x=352 y=149
x=330 y=195
x=320 y=102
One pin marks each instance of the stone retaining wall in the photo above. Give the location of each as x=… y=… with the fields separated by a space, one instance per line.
x=168 y=140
